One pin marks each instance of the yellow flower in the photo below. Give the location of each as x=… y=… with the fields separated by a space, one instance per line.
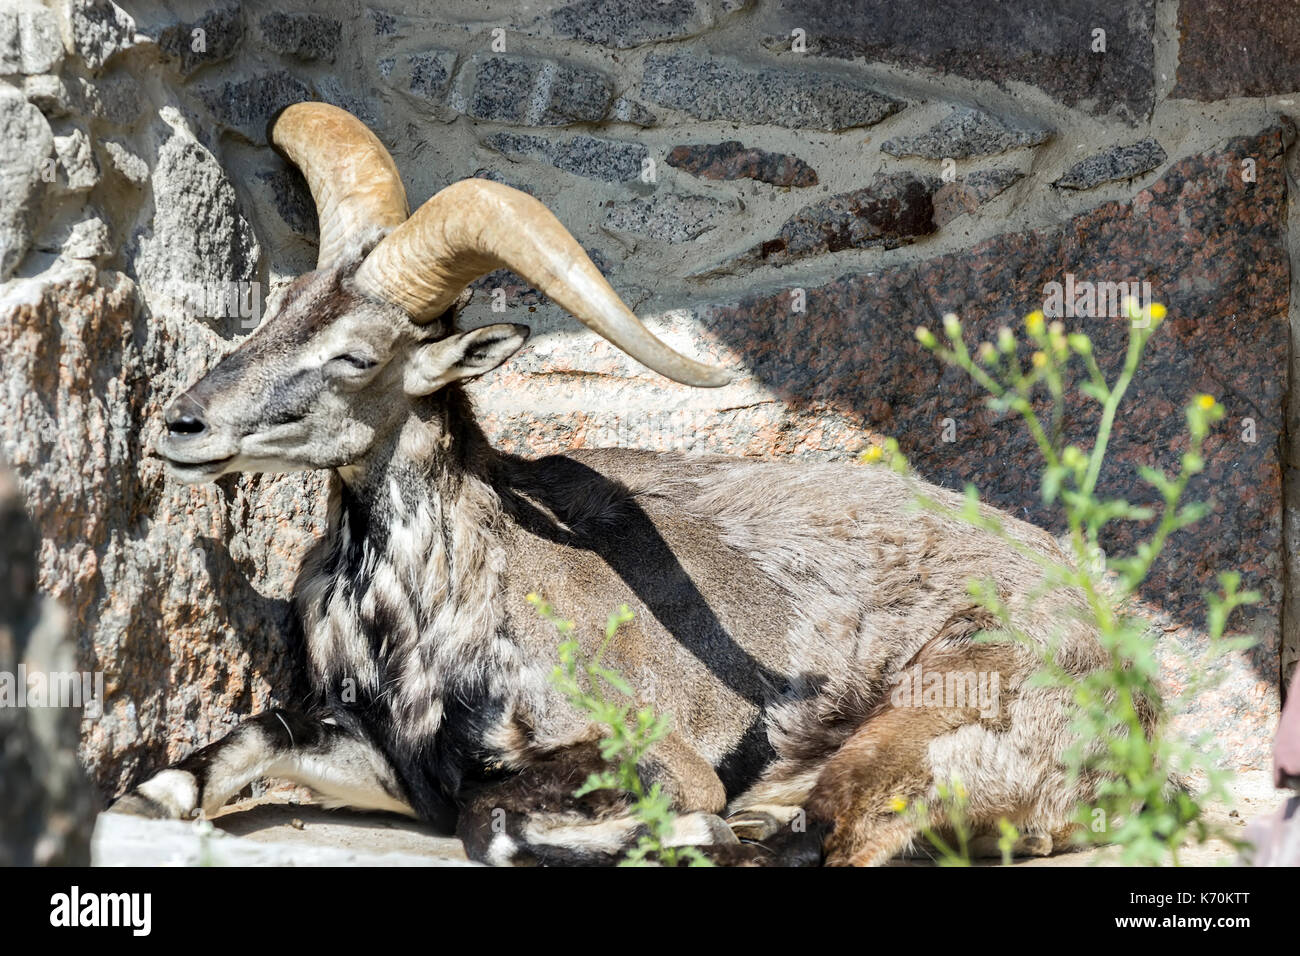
x=1034 y=321
x=1158 y=311
x=898 y=804
x=873 y=454
x=1205 y=402
x=1039 y=359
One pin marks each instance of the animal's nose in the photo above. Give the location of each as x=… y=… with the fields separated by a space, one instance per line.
x=184 y=417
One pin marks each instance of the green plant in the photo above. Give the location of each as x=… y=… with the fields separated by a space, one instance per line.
x=1138 y=808
x=952 y=807
x=632 y=732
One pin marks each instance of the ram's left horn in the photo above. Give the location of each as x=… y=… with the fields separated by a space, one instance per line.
x=352 y=178
x=475 y=226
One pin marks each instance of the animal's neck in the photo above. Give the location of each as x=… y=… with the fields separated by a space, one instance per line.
x=411 y=580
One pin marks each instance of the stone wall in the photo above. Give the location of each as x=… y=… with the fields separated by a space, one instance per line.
x=788 y=188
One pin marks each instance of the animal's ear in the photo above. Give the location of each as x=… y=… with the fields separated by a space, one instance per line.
x=462 y=355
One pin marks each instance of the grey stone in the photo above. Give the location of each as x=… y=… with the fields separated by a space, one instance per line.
x=128 y=164
x=221 y=30
x=246 y=106
x=630 y=111
x=1119 y=162
x=532 y=91
x=79 y=233
x=76 y=160
x=29 y=39
x=100 y=30
x=430 y=73
x=114 y=99
x=49 y=94
x=629 y=23
x=666 y=217
x=89 y=239
x=713 y=89
x=385 y=23
x=605 y=159
x=46 y=804
x=330 y=89
x=967 y=132
x=199 y=237
x=307 y=36
x=292 y=201
x=26 y=144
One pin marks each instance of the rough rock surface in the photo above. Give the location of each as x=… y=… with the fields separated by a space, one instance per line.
x=534 y=91
x=100 y=30
x=26 y=145
x=245 y=106
x=629 y=23
x=29 y=38
x=605 y=159
x=307 y=36
x=179 y=594
x=1120 y=162
x=667 y=218
x=713 y=89
x=220 y=30
x=967 y=132
x=893 y=211
x=733 y=160
x=1236 y=48
x=199 y=235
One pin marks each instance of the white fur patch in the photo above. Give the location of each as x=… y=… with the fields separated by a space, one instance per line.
x=501 y=851
x=175 y=790
x=606 y=836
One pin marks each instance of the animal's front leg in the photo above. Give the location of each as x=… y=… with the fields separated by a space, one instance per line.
x=344 y=769
x=533 y=818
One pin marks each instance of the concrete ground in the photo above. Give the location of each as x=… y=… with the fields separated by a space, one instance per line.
x=279 y=830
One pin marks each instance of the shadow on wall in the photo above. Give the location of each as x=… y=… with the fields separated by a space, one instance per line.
x=46 y=805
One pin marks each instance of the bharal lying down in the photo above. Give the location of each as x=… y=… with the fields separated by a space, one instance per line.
x=779 y=606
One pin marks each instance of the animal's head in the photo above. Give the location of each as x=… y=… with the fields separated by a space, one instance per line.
x=357 y=344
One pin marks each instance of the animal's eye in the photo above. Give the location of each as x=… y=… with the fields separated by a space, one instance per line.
x=358 y=362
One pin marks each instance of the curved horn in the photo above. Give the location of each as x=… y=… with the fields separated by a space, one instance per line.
x=352 y=178
x=475 y=226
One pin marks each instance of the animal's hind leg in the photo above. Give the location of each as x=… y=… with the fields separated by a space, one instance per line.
x=858 y=790
x=340 y=766
x=889 y=759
